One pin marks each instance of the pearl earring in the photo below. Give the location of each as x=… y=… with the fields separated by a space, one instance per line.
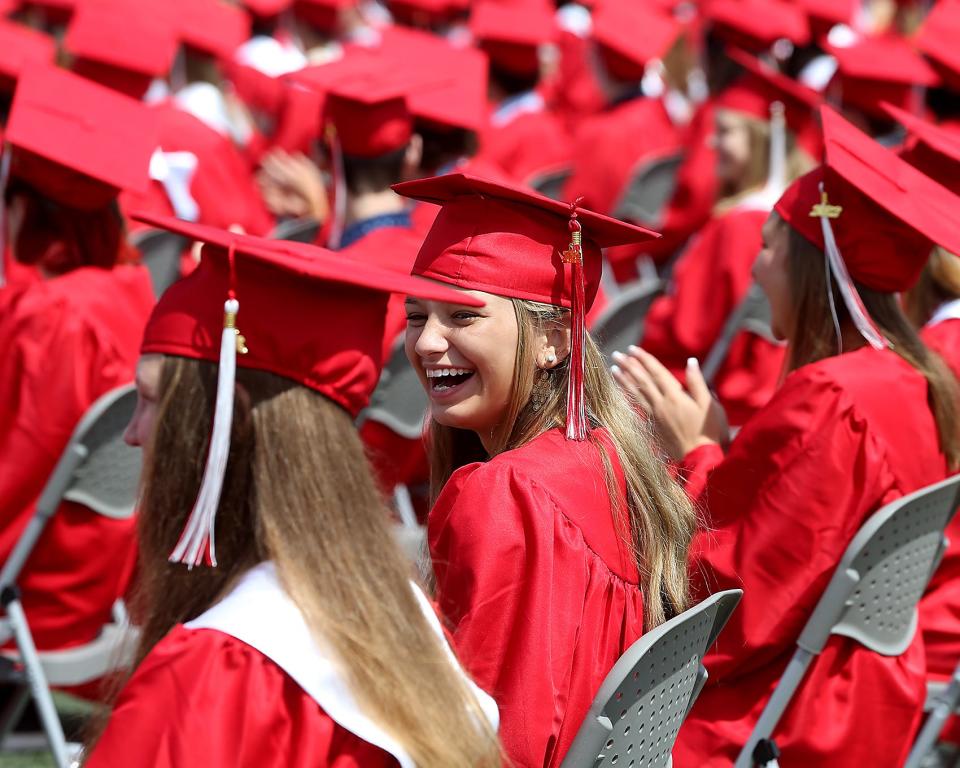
x=551 y=359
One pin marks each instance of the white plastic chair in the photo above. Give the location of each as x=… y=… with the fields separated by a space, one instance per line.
x=751 y=315
x=872 y=597
x=161 y=251
x=642 y=703
x=621 y=322
x=98 y=470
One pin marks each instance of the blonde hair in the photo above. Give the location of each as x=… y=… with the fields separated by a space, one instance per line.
x=758 y=165
x=939 y=282
x=661 y=518
x=299 y=491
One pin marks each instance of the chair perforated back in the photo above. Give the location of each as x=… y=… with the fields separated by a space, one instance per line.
x=893 y=557
x=649 y=190
x=398 y=402
x=106 y=481
x=161 y=253
x=634 y=719
x=551 y=184
x=752 y=315
x=304 y=230
x=621 y=322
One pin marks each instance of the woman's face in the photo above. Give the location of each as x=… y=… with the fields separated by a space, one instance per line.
x=732 y=142
x=465 y=358
x=141 y=426
x=772 y=274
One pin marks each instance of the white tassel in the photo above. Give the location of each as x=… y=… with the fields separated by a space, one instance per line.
x=777 y=173
x=339 y=212
x=848 y=290
x=198 y=533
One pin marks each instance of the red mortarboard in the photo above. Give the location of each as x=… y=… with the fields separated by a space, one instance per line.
x=79 y=142
x=931 y=148
x=460 y=101
x=511 y=34
x=889 y=212
x=825 y=14
x=938 y=38
x=211 y=26
x=322 y=14
x=426 y=11
x=119 y=46
x=876 y=69
x=757 y=24
x=630 y=35
x=761 y=86
x=267 y=8
x=302 y=315
x=513 y=242
x=21 y=48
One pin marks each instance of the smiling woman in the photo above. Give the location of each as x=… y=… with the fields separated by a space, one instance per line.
x=556 y=536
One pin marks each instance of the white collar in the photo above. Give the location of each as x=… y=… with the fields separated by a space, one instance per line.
x=259 y=612
x=512 y=107
x=949 y=310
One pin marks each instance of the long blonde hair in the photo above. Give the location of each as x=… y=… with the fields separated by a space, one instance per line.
x=661 y=518
x=939 y=282
x=298 y=491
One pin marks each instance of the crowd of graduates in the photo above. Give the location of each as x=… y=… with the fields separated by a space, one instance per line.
x=470 y=184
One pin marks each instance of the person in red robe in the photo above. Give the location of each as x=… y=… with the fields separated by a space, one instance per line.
x=69 y=337
x=537 y=514
x=712 y=276
x=295 y=637
x=810 y=467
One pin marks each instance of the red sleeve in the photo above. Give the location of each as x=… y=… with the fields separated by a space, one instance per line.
x=204 y=698
x=797 y=482
x=694 y=469
x=492 y=539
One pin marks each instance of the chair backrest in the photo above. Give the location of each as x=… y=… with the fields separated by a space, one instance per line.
x=752 y=315
x=398 y=402
x=621 y=322
x=161 y=251
x=304 y=230
x=874 y=592
x=649 y=190
x=551 y=183
x=640 y=707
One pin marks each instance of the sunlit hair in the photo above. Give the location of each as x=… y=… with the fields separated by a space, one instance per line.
x=813 y=336
x=661 y=518
x=298 y=491
x=758 y=165
x=939 y=283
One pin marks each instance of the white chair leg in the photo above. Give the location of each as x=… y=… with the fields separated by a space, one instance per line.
x=38 y=683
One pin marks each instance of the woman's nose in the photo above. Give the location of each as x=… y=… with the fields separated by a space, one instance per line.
x=432 y=340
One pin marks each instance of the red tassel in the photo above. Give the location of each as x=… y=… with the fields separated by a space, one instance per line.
x=577 y=425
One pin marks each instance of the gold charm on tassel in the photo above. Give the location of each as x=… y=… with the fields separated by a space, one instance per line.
x=824 y=210
x=230 y=321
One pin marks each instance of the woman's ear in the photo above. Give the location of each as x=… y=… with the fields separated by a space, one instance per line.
x=553 y=343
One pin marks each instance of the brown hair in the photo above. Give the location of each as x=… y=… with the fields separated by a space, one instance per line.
x=661 y=518
x=813 y=335
x=298 y=491
x=939 y=282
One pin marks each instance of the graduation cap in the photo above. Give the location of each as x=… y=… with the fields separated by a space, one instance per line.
x=938 y=38
x=630 y=35
x=826 y=14
x=512 y=33
x=755 y=25
x=290 y=309
x=213 y=27
x=78 y=142
x=877 y=69
x=874 y=215
x=930 y=148
x=266 y=9
x=513 y=242
x=427 y=12
x=120 y=46
x=460 y=99
x=323 y=14
x=22 y=48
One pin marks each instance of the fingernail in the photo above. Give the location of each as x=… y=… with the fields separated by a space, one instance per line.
x=619 y=356
x=615 y=369
x=692 y=362
x=633 y=348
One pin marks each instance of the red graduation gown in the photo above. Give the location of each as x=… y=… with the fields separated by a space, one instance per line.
x=528 y=146
x=800 y=478
x=66 y=341
x=710 y=279
x=940 y=608
x=612 y=145
x=541 y=593
x=202 y=697
x=222 y=184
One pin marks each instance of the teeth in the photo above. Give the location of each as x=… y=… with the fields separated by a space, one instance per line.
x=435 y=373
